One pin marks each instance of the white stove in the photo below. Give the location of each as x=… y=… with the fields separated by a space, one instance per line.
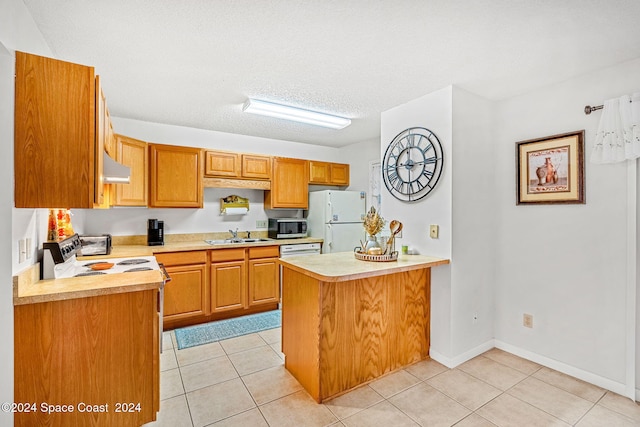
x=75 y=268
x=60 y=262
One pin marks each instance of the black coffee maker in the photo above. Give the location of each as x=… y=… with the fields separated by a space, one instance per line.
x=155 y=232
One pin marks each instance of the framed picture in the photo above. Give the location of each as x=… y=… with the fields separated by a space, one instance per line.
x=550 y=170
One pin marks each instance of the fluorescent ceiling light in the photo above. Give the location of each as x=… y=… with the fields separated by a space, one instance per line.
x=296 y=114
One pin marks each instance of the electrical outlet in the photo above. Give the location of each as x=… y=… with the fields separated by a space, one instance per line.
x=527 y=320
x=433 y=231
x=261 y=223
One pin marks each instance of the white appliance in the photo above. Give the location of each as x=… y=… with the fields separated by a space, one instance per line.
x=336 y=217
x=59 y=262
x=299 y=249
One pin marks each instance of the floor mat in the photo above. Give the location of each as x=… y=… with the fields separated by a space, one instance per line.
x=192 y=336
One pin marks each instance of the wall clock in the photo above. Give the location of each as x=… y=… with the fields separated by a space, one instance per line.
x=412 y=164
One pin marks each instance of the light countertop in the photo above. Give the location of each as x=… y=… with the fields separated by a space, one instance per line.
x=343 y=266
x=29 y=289
x=126 y=250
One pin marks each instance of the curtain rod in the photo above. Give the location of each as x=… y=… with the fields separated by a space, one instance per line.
x=589 y=109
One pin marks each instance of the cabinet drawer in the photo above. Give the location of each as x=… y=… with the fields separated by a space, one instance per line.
x=182 y=258
x=264 y=252
x=227 y=255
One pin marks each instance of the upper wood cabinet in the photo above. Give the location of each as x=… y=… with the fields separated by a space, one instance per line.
x=175 y=176
x=222 y=163
x=289 y=184
x=55 y=147
x=256 y=167
x=328 y=173
x=229 y=164
x=134 y=154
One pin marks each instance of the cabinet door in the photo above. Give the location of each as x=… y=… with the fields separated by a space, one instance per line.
x=102 y=127
x=222 y=163
x=256 y=167
x=319 y=172
x=264 y=283
x=289 y=184
x=228 y=286
x=133 y=153
x=175 y=176
x=339 y=174
x=185 y=295
x=54 y=134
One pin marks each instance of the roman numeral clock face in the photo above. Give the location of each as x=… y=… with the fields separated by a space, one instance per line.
x=412 y=164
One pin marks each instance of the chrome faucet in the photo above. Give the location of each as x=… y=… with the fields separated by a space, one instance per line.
x=234 y=235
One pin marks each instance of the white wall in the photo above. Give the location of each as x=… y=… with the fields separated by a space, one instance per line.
x=17 y=32
x=463 y=207
x=474 y=223
x=358 y=156
x=565 y=264
x=433 y=111
x=6 y=201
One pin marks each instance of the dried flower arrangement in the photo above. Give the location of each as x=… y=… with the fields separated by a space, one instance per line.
x=373 y=222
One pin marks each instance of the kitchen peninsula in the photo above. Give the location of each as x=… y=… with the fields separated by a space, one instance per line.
x=346 y=322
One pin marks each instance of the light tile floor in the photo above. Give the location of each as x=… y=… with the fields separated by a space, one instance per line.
x=242 y=382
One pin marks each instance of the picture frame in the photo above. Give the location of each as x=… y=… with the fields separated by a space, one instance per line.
x=550 y=170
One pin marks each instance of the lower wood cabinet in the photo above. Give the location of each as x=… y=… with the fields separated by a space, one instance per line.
x=228 y=280
x=99 y=356
x=186 y=295
x=219 y=283
x=244 y=277
x=264 y=275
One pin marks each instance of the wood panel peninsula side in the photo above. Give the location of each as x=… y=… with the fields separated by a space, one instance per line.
x=346 y=322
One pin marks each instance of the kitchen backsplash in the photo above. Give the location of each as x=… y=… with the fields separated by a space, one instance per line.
x=133 y=221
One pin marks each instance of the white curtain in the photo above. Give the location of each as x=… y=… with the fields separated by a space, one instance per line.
x=618 y=136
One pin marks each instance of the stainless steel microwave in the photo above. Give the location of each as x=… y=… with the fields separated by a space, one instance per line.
x=287 y=228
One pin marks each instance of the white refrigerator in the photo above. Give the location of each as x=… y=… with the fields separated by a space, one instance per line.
x=336 y=217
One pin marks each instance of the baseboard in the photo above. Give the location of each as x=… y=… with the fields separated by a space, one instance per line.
x=461 y=358
x=589 y=377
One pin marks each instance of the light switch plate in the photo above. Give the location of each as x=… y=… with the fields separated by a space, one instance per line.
x=29 y=247
x=261 y=223
x=527 y=320
x=433 y=231
x=22 y=251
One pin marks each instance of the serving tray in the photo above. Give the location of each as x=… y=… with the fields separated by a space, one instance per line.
x=393 y=256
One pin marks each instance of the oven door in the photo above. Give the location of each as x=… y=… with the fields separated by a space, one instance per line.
x=166 y=279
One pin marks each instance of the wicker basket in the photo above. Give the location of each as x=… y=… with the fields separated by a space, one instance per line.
x=393 y=256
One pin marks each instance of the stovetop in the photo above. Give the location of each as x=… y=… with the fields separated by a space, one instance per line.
x=75 y=268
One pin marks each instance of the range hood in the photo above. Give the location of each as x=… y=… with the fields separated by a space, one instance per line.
x=114 y=172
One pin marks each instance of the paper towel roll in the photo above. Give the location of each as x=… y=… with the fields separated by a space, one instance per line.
x=235 y=211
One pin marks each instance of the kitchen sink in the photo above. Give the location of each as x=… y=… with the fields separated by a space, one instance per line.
x=227 y=241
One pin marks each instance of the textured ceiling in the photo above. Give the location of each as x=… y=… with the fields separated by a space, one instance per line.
x=194 y=63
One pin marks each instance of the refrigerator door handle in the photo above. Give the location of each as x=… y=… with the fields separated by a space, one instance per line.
x=329 y=235
x=333 y=217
